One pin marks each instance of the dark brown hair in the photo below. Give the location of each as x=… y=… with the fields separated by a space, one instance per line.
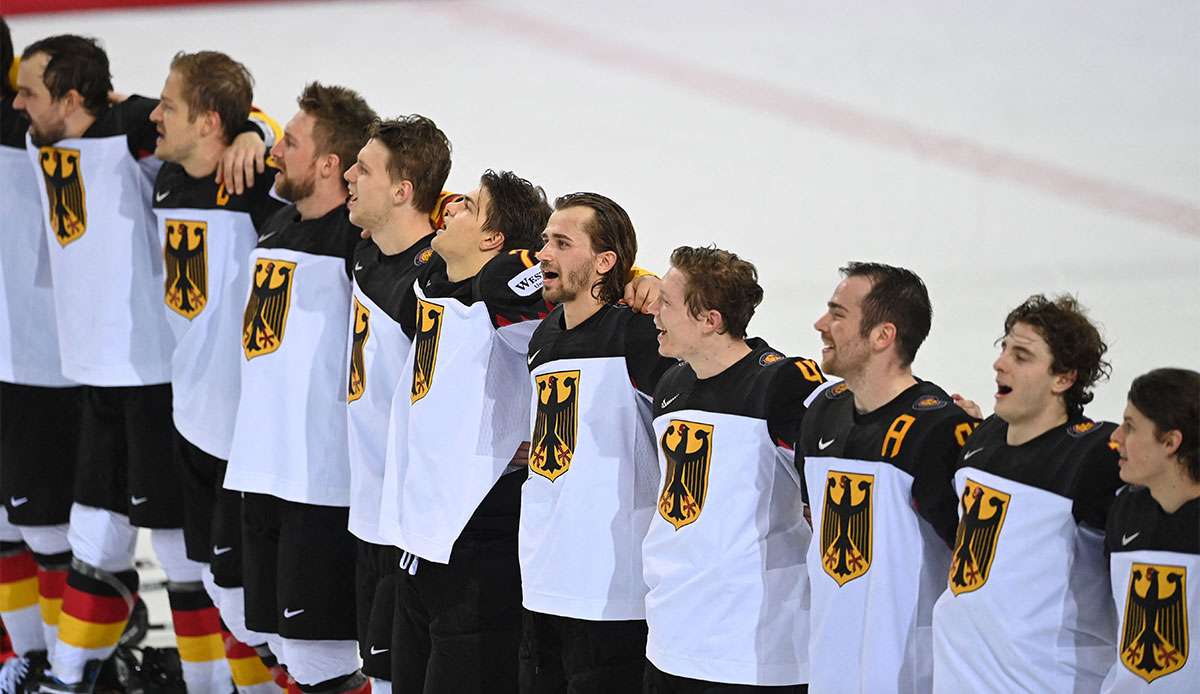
x=417 y=152
x=897 y=296
x=214 y=82
x=610 y=229
x=517 y=208
x=1171 y=399
x=1074 y=341
x=75 y=62
x=720 y=281
x=342 y=120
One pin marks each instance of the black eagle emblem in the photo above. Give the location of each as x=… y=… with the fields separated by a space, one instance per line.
x=983 y=512
x=554 y=428
x=425 y=346
x=846 y=525
x=358 y=370
x=687 y=447
x=64 y=192
x=185 y=255
x=1154 y=634
x=265 y=319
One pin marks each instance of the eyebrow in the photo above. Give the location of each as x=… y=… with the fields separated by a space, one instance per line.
x=834 y=305
x=468 y=201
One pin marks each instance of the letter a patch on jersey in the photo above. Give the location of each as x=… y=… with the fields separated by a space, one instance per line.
x=554 y=429
x=687 y=447
x=358 y=371
x=266 y=311
x=425 y=342
x=65 y=193
x=983 y=512
x=846 y=525
x=185 y=255
x=1154 y=635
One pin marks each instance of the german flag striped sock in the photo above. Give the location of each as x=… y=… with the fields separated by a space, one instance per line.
x=19 y=598
x=52 y=581
x=198 y=635
x=250 y=674
x=94 y=612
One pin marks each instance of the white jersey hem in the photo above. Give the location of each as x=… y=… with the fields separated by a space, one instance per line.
x=273 y=485
x=728 y=671
x=118 y=376
x=583 y=608
x=202 y=439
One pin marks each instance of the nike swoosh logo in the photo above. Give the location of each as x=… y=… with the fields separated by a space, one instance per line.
x=218 y=551
x=377 y=651
x=138 y=500
x=1126 y=539
x=968 y=454
x=823 y=444
x=288 y=614
x=357 y=267
x=159 y=197
x=18 y=502
x=534 y=356
x=667 y=403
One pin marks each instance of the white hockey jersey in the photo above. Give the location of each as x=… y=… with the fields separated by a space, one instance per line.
x=290 y=437
x=725 y=552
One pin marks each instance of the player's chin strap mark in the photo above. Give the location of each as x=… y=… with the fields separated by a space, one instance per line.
x=408 y=562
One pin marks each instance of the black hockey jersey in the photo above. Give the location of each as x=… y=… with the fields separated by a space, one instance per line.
x=1027 y=584
x=592 y=465
x=725 y=551
x=880 y=486
x=1154 y=564
x=461 y=409
x=290 y=436
x=206 y=235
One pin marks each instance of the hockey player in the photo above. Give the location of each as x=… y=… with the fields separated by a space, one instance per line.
x=1027 y=605
x=207 y=234
x=593 y=364
x=95 y=168
x=1154 y=536
x=39 y=410
x=395 y=197
x=289 y=451
x=878 y=459
x=458 y=417
x=726 y=545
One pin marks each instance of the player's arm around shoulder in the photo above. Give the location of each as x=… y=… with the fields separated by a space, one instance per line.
x=1097 y=473
x=943 y=428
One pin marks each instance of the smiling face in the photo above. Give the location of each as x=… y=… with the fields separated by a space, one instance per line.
x=1026 y=388
x=568 y=262
x=295 y=156
x=846 y=350
x=47 y=116
x=464 y=219
x=679 y=332
x=178 y=133
x=372 y=193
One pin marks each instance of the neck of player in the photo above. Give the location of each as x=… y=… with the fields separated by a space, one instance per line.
x=203 y=160
x=1174 y=488
x=717 y=353
x=402 y=229
x=579 y=309
x=879 y=383
x=466 y=267
x=1026 y=429
x=327 y=196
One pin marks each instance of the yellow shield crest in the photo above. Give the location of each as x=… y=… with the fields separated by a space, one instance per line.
x=1154 y=629
x=265 y=319
x=185 y=256
x=687 y=447
x=358 y=371
x=64 y=192
x=554 y=429
x=846 y=525
x=983 y=512
x=425 y=342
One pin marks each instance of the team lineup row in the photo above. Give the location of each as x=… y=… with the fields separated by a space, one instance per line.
x=391 y=437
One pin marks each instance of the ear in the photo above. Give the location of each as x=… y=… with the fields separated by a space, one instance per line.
x=883 y=336
x=1171 y=442
x=72 y=101
x=210 y=123
x=604 y=262
x=402 y=192
x=1063 y=382
x=490 y=241
x=329 y=166
x=714 y=322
